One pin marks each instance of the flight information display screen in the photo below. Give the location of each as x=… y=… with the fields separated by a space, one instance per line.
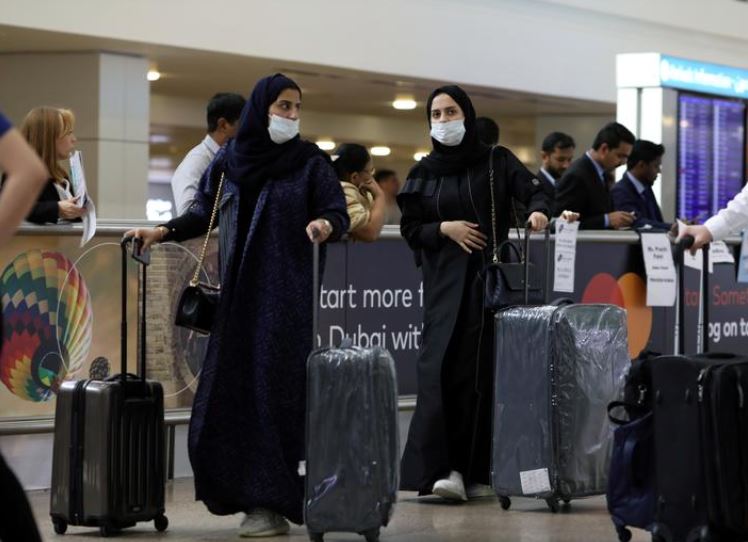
x=711 y=154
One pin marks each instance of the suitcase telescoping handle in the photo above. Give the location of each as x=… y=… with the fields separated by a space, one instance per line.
x=123 y=324
x=315 y=293
x=547 y=240
x=682 y=245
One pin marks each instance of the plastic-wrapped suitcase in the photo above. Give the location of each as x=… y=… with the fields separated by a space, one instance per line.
x=108 y=467
x=557 y=368
x=701 y=441
x=352 y=440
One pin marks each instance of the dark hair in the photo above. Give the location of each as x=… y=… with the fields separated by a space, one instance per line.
x=224 y=105
x=557 y=140
x=613 y=134
x=644 y=151
x=351 y=158
x=383 y=175
x=488 y=131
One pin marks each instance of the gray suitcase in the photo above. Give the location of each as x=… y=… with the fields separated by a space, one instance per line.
x=557 y=368
x=108 y=467
x=352 y=458
x=352 y=440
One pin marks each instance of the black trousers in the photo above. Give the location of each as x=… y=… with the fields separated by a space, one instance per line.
x=16 y=519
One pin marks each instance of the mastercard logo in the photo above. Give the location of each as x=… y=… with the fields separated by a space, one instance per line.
x=628 y=292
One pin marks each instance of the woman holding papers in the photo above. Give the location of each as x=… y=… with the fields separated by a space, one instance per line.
x=49 y=131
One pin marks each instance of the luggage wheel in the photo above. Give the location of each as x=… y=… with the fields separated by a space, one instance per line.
x=107 y=530
x=372 y=535
x=61 y=526
x=624 y=535
x=316 y=537
x=553 y=504
x=505 y=502
x=161 y=522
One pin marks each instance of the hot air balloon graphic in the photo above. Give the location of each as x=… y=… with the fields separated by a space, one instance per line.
x=47 y=323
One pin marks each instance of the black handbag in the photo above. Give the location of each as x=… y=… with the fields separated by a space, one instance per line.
x=510 y=283
x=198 y=302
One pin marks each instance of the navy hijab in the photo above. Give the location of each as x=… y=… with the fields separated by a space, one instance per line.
x=446 y=160
x=252 y=157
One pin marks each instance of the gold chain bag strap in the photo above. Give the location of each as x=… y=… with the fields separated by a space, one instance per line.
x=507 y=283
x=197 y=305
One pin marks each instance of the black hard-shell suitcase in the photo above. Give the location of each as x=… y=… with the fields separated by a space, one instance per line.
x=352 y=440
x=108 y=467
x=701 y=440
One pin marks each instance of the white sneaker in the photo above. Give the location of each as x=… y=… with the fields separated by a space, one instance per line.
x=263 y=522
x=478 y=491
x=451 y=488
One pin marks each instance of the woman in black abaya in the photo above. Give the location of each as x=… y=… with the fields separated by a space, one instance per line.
x=446 y=206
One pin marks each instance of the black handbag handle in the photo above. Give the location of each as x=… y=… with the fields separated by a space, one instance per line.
x=509 y=243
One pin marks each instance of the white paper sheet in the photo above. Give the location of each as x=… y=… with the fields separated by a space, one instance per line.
x=535 y=481
x=660 y=269
x=743 y=268
x=565 y=254
x=78 y=188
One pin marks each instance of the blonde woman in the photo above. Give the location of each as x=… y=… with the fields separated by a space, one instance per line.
x=49 y=131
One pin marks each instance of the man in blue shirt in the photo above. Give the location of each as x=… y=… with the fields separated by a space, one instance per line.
x=633 y=193
x=584 y=186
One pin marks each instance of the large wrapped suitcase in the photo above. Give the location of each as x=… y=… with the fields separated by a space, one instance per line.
x=352 y=439
x=557 y=368
x=701 y=441
x=108 y=467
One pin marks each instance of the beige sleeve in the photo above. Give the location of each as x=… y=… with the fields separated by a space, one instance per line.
x=357 y=211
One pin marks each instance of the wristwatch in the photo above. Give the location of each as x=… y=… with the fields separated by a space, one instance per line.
x=164 y=232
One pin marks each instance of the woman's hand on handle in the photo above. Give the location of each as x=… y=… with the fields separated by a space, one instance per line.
x=149 y=236
x=465 y=234
x=537 y=221
x=319 y=230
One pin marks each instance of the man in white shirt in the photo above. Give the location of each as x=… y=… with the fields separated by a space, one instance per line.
x=732 y=218
x=223 y=112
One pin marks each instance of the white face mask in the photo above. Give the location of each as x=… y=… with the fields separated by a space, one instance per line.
x=282 y=129
x=449 y=133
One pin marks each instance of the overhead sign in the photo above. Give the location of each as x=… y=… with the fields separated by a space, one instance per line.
x=652 y=70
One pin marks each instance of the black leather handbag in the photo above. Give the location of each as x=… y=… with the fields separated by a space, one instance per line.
x=197 y=305
x=510 y=283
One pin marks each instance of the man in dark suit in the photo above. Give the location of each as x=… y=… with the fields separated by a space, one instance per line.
x=584 y=187
x=633 y=193
x=556 y=153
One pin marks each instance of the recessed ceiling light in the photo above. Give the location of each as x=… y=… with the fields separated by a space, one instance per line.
x=380 y=151
x=153 y=75
x=420 y=154
x=405 y=104
x=159 y=138
x=326 y=144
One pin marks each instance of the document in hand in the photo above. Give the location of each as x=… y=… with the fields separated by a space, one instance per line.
x=79 y=188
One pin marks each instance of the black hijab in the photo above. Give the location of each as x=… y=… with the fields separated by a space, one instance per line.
x=446 y=160
x=252 y=158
